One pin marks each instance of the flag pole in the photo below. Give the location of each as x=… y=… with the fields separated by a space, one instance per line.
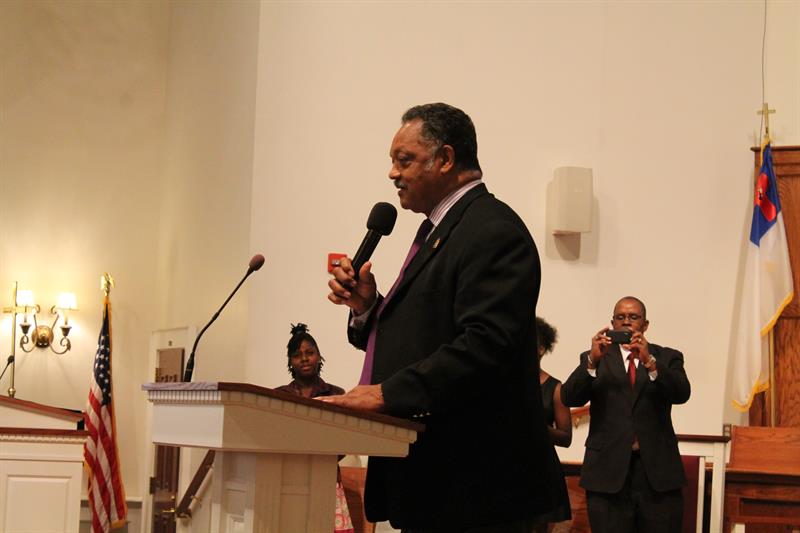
x=105 y=490
x=772 y=414
x=766 y=111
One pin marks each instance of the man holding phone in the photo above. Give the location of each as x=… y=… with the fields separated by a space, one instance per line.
x=632 y=470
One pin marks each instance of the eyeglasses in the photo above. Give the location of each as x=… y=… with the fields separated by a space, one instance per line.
x=633 y=317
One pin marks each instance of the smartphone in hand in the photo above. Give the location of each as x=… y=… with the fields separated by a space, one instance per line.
x=619 y=336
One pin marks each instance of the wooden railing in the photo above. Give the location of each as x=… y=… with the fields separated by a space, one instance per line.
x=183 y=510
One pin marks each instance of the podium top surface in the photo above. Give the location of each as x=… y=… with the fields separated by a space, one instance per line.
x=24 y=419
x=271 y=393
x=39 y=408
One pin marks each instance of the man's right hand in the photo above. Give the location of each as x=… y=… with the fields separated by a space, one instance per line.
x=600 y=344
x=345 y=290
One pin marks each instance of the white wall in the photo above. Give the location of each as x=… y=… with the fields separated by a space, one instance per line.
x=81 y=120
x=126 y=146
x=205 y=193
x=658 y=98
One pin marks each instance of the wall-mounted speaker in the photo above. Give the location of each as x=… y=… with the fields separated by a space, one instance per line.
x=569 y=201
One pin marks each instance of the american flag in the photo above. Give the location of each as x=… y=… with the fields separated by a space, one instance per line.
x=106 y=493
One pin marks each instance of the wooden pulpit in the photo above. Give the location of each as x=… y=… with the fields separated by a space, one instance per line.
x=275 y=470
x=763 y=477
x=41 y=467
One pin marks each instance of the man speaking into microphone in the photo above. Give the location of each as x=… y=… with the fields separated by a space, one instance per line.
x=452 y=343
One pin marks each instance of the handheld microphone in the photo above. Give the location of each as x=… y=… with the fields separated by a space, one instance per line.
x=256 y=262
x=380 y=222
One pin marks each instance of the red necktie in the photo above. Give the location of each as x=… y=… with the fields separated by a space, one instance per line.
x=419 y=240
x=631 y=370
x=632 y=378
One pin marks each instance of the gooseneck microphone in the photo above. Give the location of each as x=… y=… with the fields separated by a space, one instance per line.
x=380 y=222
x=256 y=262
x=8 y=364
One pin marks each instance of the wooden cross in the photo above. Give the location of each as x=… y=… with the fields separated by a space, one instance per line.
x=766 y=111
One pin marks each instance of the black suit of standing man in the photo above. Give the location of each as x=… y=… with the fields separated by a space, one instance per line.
x=454 y=345
x=632 y=470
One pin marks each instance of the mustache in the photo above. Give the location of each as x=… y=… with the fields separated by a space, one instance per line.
x=398 y=184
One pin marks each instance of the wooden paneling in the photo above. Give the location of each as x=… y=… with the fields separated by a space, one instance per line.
x=787 y=371
x=786 y=162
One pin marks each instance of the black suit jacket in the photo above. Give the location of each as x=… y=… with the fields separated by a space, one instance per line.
x=617 y=412
x=456 y=346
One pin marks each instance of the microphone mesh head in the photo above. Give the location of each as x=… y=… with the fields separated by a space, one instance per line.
x=381 y=218
x=256 y=262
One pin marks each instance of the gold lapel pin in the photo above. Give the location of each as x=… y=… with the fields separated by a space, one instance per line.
x=436 y=243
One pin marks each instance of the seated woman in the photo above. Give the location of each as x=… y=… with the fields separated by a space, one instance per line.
x=305 y=366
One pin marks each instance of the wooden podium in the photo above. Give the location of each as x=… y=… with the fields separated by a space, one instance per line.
x=276 y=471
x=41 y=467
x=763 y=478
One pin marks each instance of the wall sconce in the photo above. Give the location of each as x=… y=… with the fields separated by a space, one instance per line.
x=42 y=335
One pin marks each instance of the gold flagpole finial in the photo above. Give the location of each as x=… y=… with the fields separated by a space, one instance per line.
x=766 y=112
x=106 y=283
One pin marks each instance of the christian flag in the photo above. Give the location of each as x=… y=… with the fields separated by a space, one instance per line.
x=767 y=287
x=106 y=493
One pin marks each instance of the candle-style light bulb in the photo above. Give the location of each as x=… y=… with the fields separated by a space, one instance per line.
x=25 y=300
x=66 y=303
